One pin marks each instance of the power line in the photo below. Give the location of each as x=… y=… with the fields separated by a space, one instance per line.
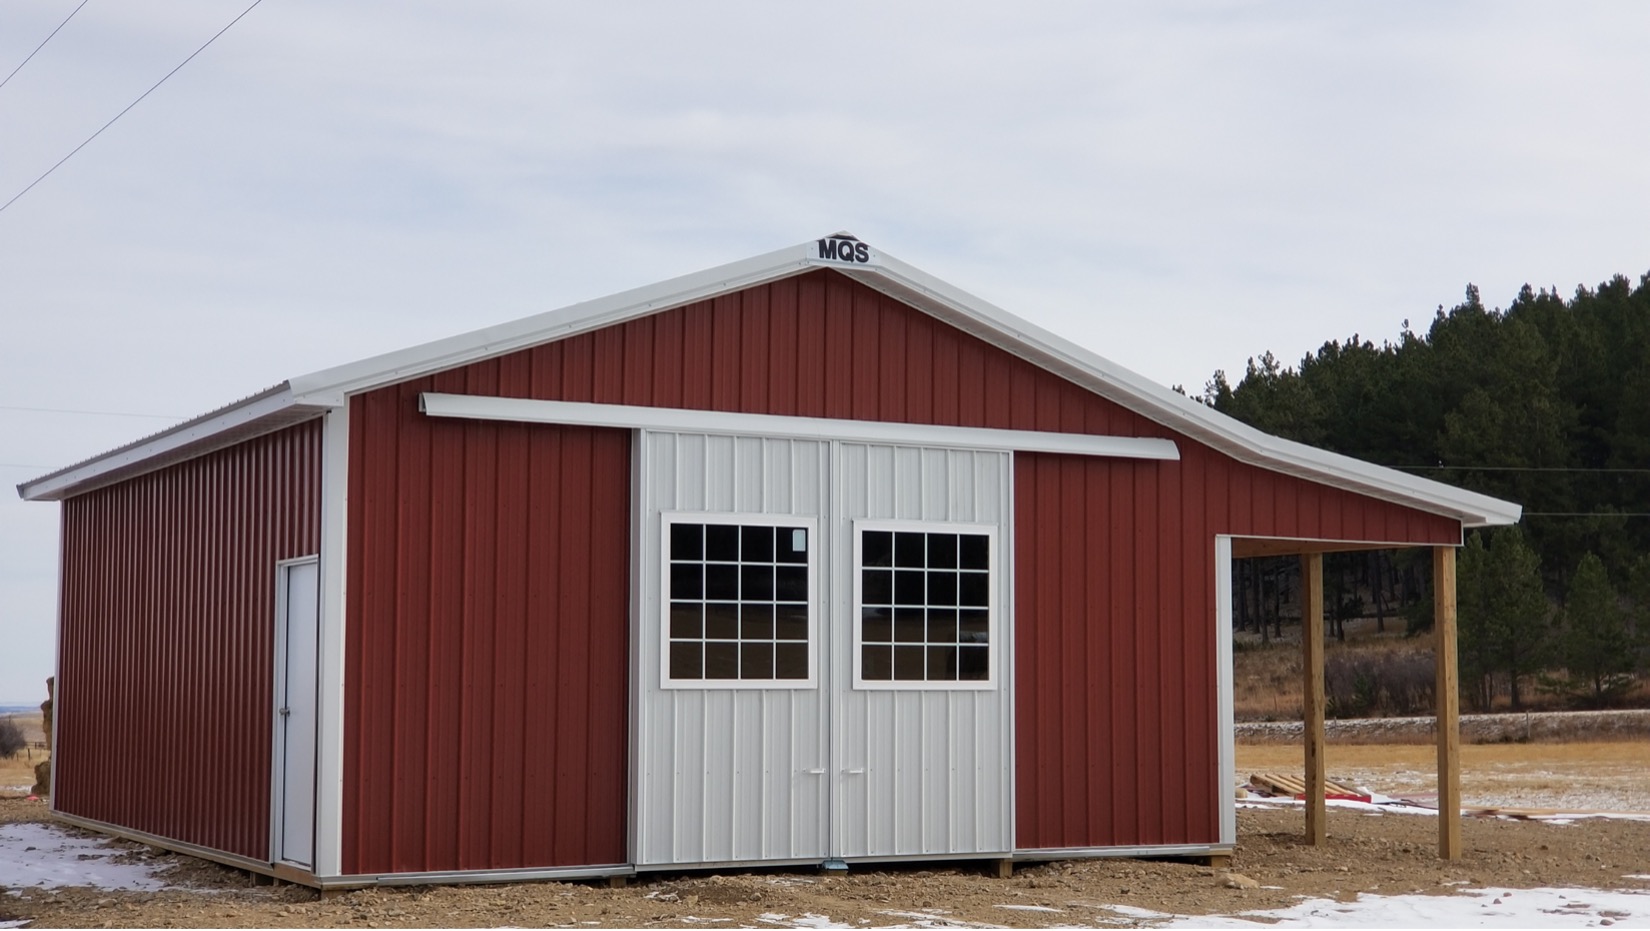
x=1462 y=468
x=43 y=42
x=1586 y=514
x=128 y=107
x=63 y=410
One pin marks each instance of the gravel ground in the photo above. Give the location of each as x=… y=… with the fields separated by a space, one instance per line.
x=1383 y=854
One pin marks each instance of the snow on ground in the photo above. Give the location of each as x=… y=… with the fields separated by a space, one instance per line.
x=1381 y=804
x=1468 y=908
x=1471 y=908
x=47 y=856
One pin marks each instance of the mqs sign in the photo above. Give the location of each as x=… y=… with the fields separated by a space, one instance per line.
x=841 y=249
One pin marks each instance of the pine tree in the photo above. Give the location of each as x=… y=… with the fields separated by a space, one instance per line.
x=1595 y=645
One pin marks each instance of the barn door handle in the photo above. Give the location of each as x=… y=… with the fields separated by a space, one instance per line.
x=854 y=772
x=285 y=712
x=815 y=772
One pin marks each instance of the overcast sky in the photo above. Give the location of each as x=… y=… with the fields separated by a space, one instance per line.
x=1175 y=186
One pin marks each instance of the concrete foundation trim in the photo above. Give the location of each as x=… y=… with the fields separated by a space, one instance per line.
x=1090 y=853
x=462 y=877
x=177 y=846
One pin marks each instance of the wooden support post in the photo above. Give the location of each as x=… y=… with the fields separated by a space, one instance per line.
x=1312 y=693
x=1449 y=703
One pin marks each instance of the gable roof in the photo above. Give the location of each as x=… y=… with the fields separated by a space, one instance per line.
x=310 y=395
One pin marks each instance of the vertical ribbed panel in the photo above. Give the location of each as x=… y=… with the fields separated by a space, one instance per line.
x=928 y=770
x=730 y=774
x=1115 y=710
x=487 y=637
x=166 y=658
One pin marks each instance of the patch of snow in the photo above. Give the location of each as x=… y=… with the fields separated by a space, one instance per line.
x=1130 y=911
x=15 y=924
x=44 y=855
x=1471 y=908
x=1383 y=804
x=932 y=918
x=1030 y=908
x=1637 y=876
x=810 y=920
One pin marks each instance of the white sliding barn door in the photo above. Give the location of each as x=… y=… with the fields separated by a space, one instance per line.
x=730 y=770
x=821 y=664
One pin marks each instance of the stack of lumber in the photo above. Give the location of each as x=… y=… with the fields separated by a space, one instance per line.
x=1295 y=787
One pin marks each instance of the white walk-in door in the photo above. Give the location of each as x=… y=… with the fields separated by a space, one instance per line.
x=297 y=605
x=821 y=664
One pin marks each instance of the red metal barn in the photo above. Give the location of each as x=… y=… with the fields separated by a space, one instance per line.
x=808 y=557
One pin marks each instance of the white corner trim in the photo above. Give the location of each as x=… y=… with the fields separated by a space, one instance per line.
x=329 y=711
x=1226 y=753
x=669 y=419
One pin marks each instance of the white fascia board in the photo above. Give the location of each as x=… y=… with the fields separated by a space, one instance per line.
x=331 y=385
x=670 y=419
x=59 y=484
x=1175 y=410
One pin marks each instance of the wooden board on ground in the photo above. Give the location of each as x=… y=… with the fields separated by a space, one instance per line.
x=1295 y=787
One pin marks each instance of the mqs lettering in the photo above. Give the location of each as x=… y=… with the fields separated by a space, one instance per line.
x=844 y=250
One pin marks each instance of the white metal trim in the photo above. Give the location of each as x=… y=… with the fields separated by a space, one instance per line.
x=329 y=701
x=666 y=519
x=1165 y=850
x=1360 y=544
x=677 y=420
x=277 y=756
x=994 y=628
x=454 y=877
x=167 y=843
x=1008 y=646
x=329 y=385
x=1176 y=411
x=53 y=487
x=640 y=449
x=1226 y=753
x=884 y=273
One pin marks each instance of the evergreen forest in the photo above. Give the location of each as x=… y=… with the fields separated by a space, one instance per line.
x=1546 y=403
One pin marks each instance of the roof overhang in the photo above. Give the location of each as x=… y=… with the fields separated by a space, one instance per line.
x=261 y=413
x=309 y=395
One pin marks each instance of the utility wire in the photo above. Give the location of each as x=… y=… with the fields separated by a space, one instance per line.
x=1463 y=468
x=43 y=42
x=61 y=410
x=128 y=107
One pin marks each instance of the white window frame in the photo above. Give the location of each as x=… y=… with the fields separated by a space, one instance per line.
x=668 y=519
x=994 y=635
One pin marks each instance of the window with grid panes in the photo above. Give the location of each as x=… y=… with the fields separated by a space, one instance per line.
x=925 y=606
x=739 y=601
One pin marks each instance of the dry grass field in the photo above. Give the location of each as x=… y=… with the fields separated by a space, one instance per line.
x=1266 y=678
x=1613 y=776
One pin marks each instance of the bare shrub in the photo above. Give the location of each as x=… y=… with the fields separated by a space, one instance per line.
x=11 y=738
x=1365 y=684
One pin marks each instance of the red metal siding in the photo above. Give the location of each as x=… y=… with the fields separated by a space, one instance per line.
x=167 y=637
x=1114 y=574
x=487 y=702
x=1115 y=627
